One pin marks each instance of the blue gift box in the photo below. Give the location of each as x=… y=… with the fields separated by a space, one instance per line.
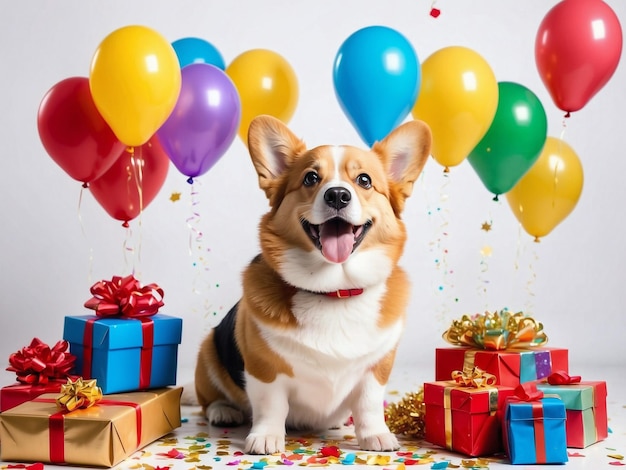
x=125 y=354
x=534 y=432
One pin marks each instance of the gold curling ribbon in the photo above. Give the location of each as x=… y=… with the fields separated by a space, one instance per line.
x=475 y=377
x=79 y=394
x=496 y=331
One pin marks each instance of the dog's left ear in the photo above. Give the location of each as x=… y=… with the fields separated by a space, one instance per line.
x=273 y=147
x=404 y=153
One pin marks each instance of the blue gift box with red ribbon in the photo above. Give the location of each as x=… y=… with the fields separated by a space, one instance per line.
x=126 y=345
x=125 y=354
x=534 y=427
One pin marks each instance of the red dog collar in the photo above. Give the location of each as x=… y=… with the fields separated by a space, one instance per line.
x=343 y=293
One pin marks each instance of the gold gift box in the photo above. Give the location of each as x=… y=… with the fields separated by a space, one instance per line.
x=102 y=435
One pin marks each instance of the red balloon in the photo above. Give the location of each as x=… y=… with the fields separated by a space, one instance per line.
x=73 y=133
x=133 y=181
x=577 y=49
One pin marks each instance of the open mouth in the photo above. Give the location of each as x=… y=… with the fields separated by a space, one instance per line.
x=336 y=238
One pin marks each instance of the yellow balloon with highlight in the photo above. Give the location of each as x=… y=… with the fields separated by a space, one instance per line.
x=549 y=191
x=135 y=81
x=266 y=83
x=458 y=99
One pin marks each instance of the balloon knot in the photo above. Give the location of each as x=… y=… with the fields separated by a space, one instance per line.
x=85 y=185
x=130 y=149
x=446 y=170
x=125 y=224
x=567 y=114
x=496 y=198
x=435 y=12
x=537 y=240
x=190 y=180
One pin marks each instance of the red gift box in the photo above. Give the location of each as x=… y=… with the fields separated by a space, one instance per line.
x=510 y=366
x=39 y=369
x=464 y=419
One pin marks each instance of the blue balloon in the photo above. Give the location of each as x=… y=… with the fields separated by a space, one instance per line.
x=376 y=76
x=196 y=50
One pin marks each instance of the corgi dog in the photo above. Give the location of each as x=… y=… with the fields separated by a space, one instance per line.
x=313 y=338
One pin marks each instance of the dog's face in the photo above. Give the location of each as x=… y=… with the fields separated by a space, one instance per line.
x=335 y=210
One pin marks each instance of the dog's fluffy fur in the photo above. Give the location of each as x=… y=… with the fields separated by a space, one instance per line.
x=289 y=354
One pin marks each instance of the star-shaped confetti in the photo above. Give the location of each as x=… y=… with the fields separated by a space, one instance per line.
x=175 y=196
x=486 y=226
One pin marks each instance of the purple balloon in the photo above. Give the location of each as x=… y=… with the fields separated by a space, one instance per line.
x=204 y=121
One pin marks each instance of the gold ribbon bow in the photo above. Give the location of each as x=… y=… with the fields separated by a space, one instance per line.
x=475 y=378
x=496 y=331
x=79 y=394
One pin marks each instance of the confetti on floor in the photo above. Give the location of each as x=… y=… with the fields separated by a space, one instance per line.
x=199 y=446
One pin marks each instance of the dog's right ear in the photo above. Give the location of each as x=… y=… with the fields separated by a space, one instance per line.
x=273 y=147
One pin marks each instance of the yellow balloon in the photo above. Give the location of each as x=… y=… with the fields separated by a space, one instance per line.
x=135 y=81
x=549 y=191
x=458 y=99
x=266 y=84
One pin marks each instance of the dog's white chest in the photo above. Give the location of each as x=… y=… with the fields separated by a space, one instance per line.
x=335 y=346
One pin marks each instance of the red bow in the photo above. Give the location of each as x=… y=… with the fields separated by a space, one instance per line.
x=124 y=296
x=528 y=392
x=560 y=377
x=37 y=363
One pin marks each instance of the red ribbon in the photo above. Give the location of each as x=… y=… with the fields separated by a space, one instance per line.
x=528 y=392
x=145 y=359
x=56 y=427
x=560 y=377
x=124 y=296
x=38 y=364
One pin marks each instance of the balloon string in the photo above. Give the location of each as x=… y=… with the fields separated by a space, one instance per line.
x=196 y=242
x=532 y=275
x=137 y=163
x=128 y=251
x=530 y=307
x=440 y=247
x=517 y=261
x=82 y=229
x=563 y=129
x=193 y=221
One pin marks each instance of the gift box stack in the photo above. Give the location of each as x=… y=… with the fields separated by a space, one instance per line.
x=111 y=394
x=500 y=389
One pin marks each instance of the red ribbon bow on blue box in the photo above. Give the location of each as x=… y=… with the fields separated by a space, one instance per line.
x=124 y=296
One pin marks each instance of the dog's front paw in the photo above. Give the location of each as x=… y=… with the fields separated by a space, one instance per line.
x=263 y=444
x=223 y=413
x=379 y=442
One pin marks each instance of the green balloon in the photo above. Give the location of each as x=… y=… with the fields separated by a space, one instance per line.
x=514 y=140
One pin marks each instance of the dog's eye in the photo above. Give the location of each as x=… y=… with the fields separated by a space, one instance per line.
x=311 y=178
x=364 y=181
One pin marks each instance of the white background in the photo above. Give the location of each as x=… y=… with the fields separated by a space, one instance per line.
x=54 y=248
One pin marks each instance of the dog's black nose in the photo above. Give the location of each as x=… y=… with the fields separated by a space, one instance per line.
x=337 y=197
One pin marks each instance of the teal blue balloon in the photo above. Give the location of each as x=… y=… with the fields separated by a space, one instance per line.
x=376 y=76
x=197 y=51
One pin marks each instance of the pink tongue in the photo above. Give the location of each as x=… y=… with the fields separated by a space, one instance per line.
x=337 y=241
